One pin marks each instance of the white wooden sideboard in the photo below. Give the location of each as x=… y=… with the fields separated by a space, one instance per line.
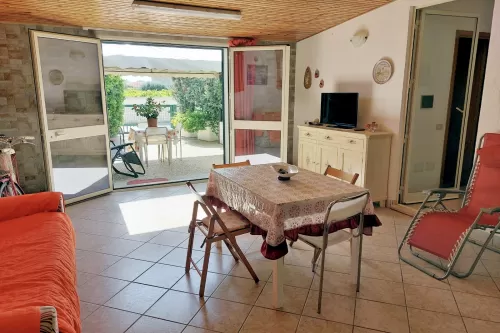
x=361 y=152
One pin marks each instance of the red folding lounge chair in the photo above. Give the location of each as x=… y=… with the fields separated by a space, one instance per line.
x=444 y=233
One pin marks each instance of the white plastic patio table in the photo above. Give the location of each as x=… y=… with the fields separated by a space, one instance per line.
x=139 y=137
x=276 y=206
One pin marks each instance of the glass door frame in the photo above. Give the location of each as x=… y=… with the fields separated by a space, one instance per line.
x=407 y=197
x=281 y=125
x=55 y=135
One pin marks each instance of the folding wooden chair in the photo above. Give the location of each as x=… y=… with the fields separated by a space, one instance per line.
x=444 y=233
x=342 y=175
x=216 y=227
x=231 y=165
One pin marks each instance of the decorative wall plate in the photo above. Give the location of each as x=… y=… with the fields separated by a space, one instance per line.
x=321 y=83
x=307 y=78
x=316 y=73
x=382 y=71
x=56 y=77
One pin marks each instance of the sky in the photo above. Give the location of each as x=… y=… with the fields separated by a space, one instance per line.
x=161 y=52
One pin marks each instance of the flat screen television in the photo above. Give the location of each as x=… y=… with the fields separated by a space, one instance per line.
x=340 y=109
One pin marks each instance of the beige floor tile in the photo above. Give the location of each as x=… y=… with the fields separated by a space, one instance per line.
x=497 y=282
x=239 y=290
x=464 y=264
x=380 y=253
x=192 y=329
x=86 y=309
x=298 y=257
x=487 y=254
x=381 y=291
x=381 y=270
x=431 y=299
x=385 y=229
x=169 y=238
x=341 y=249
x=150 y=252
x=244 y=244
x=492 y=266
x=293 y=300
x=93 y=262
x=198 y=241
x=263 y=269
x=190 y=283
x=163 y=276
x=136 y=298
x=141 y=237
x=432 y=322
x=333 y=307
x=100 y=289
x=380 y=316
x=478 y=307
x=475 y=284
x=153 y=325
x=335 y=263
x=127 y=269
x=296 y=276
x=411 y=275
x=386 y=240
x=218 y=263
x=299 y=245
x=266 y=320
x=481 y=326
x=99 y=228
x=108 y=320
x=119 y=247
x=176 y=306
x=82 y=278
x=335 y=283
x=177 y=257
x=363 y=330
x=315 y=325
x=221 y=316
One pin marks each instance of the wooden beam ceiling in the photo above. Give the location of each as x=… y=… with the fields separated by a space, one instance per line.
x=272 y=20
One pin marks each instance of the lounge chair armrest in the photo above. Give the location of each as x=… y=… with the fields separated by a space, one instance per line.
x=444 y=191
x=490 y=211
x=29 y=204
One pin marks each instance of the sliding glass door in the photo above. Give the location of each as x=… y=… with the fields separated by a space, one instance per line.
x=70 y=88
x=259 y=103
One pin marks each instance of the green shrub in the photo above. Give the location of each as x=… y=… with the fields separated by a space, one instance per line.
x=115 y=88
x=192 y=121
x=153 y=86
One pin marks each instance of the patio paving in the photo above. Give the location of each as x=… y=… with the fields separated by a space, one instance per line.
x=197 y=159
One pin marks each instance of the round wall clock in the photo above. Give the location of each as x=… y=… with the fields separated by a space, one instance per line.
x=382 y=71
x=307 y=78
x=56 y=77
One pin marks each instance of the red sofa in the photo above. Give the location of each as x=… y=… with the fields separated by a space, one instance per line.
x=37 y=265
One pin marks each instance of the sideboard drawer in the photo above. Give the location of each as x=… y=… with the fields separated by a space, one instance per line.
x=353 y=144
x=308 y=134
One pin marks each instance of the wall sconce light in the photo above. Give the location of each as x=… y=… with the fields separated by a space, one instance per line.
x=359 y=38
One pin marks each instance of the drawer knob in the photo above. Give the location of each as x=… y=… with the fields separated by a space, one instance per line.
x=327 y=137
x=308 y=134
x=352 y=141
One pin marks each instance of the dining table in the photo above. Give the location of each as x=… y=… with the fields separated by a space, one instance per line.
x=138 y=136
x=280 y=210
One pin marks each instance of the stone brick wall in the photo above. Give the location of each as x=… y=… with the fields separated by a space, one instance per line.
x=18 y=102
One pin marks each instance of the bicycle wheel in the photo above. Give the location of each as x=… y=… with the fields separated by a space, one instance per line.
x=7 y=190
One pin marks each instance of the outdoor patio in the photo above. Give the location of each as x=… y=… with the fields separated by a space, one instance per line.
x=197 y=159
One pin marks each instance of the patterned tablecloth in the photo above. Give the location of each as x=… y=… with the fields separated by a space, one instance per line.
x=283 y=208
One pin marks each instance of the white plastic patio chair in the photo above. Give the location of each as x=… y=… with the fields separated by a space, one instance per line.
x=156 y=136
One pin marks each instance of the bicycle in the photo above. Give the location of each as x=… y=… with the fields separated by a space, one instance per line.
x=8 y=164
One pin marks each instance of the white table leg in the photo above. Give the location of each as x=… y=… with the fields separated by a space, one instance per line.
x=354 y=258
x=278 y=272
x=169 y=152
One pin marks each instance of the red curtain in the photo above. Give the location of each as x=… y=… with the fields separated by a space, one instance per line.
x=243 y=107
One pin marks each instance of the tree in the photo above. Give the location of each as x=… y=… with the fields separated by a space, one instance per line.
x=153 y=86
x=115 y=88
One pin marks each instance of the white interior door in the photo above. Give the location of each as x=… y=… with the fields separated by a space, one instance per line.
x=259 y=103
x=429 y=117
x=71 y=97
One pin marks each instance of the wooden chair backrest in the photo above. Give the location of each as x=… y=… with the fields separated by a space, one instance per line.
x=231 y=165
x=342 y=175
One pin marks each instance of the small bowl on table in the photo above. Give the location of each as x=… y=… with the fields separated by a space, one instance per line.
x=284 y=171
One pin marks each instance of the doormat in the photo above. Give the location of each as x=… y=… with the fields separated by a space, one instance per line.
x=146 y=181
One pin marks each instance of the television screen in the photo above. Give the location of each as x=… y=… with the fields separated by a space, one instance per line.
x=339 y=109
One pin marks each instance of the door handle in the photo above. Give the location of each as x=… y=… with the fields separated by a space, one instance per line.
x=59 y=133
x=459 y=109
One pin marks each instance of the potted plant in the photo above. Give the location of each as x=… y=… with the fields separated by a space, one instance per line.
x=150 y=111
x=192 y=121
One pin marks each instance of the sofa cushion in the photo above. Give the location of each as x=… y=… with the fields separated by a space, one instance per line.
x=37 y=255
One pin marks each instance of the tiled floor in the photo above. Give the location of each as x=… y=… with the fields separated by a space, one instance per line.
x=131 y=249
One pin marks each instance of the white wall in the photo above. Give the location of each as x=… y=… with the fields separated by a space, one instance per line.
x=345 y=68
x=489 y=121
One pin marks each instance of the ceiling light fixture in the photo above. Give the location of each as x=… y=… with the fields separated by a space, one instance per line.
x=186 y=10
